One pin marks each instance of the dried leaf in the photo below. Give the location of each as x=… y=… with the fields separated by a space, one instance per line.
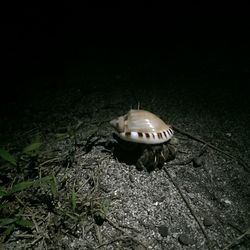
x=7 y=156
x=73 y=199
x=53 y=186
x=24 y=223
x=2 y=192
x=9 y=230
x=21 y=186
x=32 y=147
x=7 y=221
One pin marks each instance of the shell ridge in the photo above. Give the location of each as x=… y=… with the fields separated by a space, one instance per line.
x=144 y=127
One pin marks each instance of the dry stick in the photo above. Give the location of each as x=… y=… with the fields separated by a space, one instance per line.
x=122 y=238
x=187 y=203
x=239 y=160
x=247 y=232
x=98 y=234
x=35 y=241
x=125 y=233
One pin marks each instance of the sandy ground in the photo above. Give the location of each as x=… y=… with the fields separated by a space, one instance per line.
x=185 y=207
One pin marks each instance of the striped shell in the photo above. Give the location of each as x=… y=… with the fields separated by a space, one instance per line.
x=141 y=126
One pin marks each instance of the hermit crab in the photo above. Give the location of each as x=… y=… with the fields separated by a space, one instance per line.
x=143 y=139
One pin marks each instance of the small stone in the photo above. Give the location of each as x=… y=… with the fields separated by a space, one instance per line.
x=226 y=202
x=161 y=199
x=163 y=230
x=131 y=178
x=198 y=162
x=207 y=221
x=185 y=240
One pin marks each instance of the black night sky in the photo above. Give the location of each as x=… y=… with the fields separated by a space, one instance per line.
x=49 y=44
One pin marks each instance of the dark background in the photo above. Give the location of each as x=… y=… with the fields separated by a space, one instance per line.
x=46 y=49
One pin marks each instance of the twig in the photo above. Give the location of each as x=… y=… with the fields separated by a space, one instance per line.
x=130 y=228
x=187 y=203
x=98 y=234
x=237 y=239
x=125 y=233
x=122 y=238
x=35 y=224
x=35 y=241
x=237 y=159
x=25 y=236
x=49 y=161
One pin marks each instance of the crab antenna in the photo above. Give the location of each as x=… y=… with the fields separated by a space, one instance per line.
x=138 y=105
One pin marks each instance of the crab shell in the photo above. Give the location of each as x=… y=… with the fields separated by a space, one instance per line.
x=141 y=126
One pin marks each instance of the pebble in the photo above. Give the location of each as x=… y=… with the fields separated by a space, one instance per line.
x=198 y=162
x=131 y=178
x=207 y=221
x=163 y=230
x=185 y=240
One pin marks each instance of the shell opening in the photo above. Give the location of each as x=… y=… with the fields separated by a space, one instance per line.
x=118 y=124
